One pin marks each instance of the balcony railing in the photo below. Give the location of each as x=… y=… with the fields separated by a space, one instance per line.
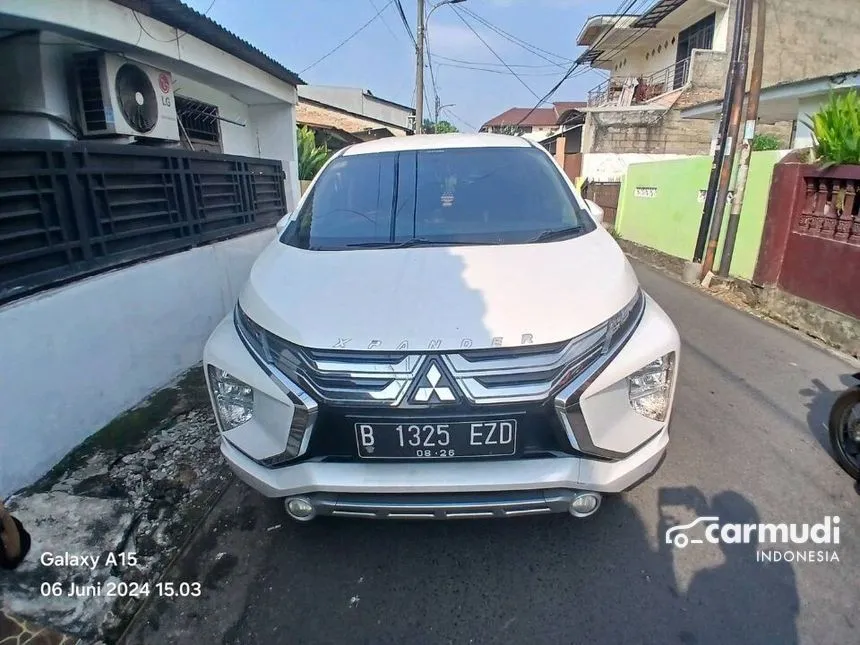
x=68 y=210
x=621 y=91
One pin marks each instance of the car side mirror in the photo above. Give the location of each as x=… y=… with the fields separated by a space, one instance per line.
x=282 y=223
x=595 y=210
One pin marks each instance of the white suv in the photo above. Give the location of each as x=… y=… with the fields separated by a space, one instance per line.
x=442 y=329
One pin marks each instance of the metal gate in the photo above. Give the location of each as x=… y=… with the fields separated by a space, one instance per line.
x=605 y=195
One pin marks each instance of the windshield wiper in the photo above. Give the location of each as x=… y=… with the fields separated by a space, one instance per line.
x=555 y=234
x=415 y=241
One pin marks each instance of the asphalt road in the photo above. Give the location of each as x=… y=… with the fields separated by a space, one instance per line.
x=748 y=445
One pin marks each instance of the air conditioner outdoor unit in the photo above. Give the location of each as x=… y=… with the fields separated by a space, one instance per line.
x=118 y=96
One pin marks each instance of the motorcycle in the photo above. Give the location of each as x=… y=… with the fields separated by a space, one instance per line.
x=844 y=427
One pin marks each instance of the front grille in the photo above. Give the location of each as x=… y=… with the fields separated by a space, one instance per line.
x=531 y=373
x=537 y=385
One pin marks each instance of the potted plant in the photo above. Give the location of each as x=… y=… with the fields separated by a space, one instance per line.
x=836 y=131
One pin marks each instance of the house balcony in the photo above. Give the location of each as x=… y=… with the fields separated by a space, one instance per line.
x=625 y=91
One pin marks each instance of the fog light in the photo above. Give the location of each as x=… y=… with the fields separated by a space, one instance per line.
x=649 y=389
x=585 y=504
x=300 y=508
x=233 y=399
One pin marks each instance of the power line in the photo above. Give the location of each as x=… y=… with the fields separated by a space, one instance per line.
x=432 y=74
x=495 y=71
x=384 y=21
x=493 y=51
x=575 y=65
x=348 y=38
x=627 y=42
x=169 y=40
x=533 y=49
x=400 y=11
x=484 y=64
x=459 y=118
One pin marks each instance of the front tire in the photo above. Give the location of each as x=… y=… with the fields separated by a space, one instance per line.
x=844 y=427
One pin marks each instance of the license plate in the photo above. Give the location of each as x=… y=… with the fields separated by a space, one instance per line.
x=436 y=440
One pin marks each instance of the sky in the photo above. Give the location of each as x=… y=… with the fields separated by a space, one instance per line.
x=381 y=57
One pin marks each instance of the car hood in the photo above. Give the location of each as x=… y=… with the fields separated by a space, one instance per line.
x=442 y=298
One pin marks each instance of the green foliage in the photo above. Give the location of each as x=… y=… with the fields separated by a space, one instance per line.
x=311 y=156
x=511 y=130
x=763 y=141
x=440 y=127
x=836 y=130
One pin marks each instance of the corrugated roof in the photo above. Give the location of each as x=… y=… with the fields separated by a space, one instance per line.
x=179 y=15
x=658 y=12
x=539 y=117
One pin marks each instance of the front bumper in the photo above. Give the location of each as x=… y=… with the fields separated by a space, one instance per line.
x=609 y=446
x=570 y=473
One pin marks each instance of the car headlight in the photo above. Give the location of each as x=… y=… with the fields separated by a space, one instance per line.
x=269 y=347
x=650 y=388
x=233 y=399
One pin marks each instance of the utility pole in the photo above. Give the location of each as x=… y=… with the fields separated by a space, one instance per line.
x=720 y=148
x=749 y=135
x=740 y=74
x=419 y=70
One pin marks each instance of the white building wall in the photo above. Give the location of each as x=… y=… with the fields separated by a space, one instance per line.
x=353 y=99
x=235 y=139
x=539 y=134
x=636 y=62
x=275 y=138
x=84 y=353
x=32 y=75
x=612 y=167
x=806 y=108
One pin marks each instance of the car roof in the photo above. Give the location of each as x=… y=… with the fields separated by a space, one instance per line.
x=437 y=142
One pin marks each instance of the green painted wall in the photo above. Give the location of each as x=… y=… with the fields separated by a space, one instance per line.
x=667 y=216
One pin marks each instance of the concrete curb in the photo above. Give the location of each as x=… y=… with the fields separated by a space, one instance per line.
x=831 y=328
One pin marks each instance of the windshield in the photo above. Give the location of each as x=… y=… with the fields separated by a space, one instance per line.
x=437 y=197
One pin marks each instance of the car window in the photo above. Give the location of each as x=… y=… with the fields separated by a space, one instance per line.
x=448 y=196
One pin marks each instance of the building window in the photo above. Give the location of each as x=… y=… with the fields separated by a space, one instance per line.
x=698 y=36
x=199 y=122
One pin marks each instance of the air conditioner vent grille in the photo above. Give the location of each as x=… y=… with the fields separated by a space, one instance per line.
x=92 y=100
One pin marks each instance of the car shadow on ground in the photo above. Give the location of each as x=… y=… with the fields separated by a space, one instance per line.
x=546 y=580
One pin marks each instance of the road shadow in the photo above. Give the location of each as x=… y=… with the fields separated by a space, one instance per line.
x=739 y=600
x=819 y=400
x=606 y=579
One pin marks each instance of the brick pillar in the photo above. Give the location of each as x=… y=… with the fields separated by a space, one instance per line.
x=560 y=145
x=784 y=200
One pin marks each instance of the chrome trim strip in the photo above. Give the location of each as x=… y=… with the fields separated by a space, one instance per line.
x=560 y=362
x=529 y=511
x=566 y=402
x=304 y=412
x=440 y=507
x=353 y=514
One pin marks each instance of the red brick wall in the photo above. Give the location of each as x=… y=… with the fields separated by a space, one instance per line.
x=811 y=240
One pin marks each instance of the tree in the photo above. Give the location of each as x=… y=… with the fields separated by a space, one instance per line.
x=440 y=127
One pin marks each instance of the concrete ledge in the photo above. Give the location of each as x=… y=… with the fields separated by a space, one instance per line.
x=833 y=328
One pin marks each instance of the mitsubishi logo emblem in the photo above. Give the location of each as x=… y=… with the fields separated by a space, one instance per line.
x=433 y=383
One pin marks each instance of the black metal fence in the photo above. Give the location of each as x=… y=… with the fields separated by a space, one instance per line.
x=70 y=209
